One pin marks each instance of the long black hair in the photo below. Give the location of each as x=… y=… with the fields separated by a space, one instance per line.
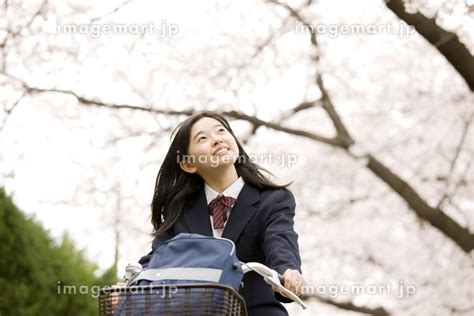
x=174 y=187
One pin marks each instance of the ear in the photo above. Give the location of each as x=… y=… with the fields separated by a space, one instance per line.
x=187 y=167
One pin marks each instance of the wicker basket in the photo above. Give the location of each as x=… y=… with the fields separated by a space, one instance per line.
x=182 y=299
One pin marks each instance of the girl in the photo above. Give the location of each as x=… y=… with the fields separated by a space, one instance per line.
x=208 y=185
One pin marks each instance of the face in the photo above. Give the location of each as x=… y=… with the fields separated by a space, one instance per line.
x=211 y=146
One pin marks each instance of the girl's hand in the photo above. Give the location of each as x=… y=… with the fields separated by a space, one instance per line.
x=293 y=281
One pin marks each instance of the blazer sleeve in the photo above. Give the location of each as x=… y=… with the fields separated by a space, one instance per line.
x=157 y=241
x=280 y=241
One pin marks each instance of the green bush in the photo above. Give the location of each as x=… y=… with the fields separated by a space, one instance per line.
x=34 y=270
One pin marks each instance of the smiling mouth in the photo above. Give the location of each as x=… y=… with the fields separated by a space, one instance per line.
x=221 y=151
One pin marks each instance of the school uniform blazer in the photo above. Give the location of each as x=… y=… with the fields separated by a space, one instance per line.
x=261 y=226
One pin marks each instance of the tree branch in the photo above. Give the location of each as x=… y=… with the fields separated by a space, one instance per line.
x=447 y=43
x=234 y=114
x=452 y=166
x=9 y=111
x=379 y=311
x=435 y=216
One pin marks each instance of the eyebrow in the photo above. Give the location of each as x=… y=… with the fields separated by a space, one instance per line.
x=200 y=132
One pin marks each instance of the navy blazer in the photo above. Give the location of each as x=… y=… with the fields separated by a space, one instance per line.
x=261 y=226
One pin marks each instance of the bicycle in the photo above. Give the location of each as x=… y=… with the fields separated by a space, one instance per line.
x=183 y=299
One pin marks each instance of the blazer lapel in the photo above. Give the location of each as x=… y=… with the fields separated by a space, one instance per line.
x=241 y=213
x=196 y=215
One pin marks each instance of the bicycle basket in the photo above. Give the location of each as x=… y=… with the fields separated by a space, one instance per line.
x=182 y=299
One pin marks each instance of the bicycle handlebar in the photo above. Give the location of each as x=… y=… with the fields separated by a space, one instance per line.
x=273 y=278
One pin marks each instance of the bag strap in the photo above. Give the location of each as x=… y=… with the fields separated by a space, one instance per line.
x=195 y=274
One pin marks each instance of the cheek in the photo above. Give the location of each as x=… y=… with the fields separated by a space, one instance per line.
x=198 y=149
x=234 y=145
x=193 y=150
x=231 y=141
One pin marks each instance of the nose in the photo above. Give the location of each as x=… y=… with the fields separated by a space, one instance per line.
x=217 y=139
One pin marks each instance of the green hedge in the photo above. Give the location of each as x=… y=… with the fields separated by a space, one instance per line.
x=34 y=269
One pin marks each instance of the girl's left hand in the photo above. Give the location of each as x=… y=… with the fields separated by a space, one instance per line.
x=293 y=281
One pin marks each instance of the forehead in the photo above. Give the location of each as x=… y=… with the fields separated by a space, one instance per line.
x=204 y=124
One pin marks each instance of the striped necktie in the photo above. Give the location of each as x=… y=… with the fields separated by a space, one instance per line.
x=218 y=209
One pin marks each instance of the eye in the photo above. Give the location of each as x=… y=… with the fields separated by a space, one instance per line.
x=201 y=138
x=221 y=130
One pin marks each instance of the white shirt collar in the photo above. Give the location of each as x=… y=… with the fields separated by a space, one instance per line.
x=232 y=190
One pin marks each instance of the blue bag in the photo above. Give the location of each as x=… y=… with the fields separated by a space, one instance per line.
x=193 y=258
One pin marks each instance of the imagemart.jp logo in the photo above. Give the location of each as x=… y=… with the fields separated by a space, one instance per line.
x=95 y=30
